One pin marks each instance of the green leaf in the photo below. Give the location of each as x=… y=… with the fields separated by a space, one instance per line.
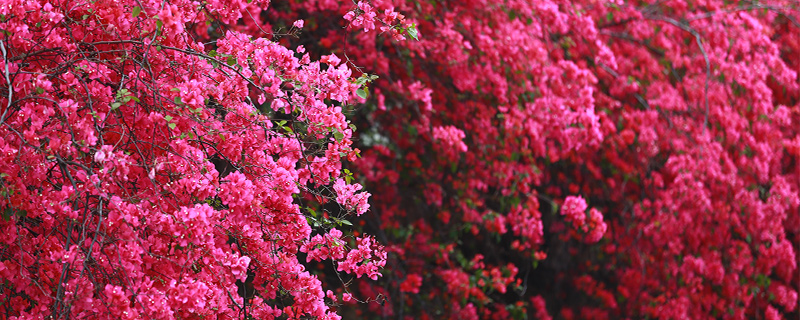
x=171 y=125
x=338 y=135
x=168 y=118
x=136 y=11
x=115 y=105
x=346 y=222
x=10 y=212
x=348 y=176
x=178 y=100
x=312 y=211
x=361 y=93
x=412 y=31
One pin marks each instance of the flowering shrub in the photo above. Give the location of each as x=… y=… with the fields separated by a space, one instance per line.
x=521 y=159
x=628 y=158
x=161 y=161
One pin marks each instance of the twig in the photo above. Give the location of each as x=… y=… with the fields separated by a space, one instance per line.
x=639 y=97
x=686 y=27
x=747 y=8
x=8 y=81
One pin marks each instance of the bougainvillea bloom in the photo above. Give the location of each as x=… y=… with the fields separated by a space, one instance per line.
x=475 y=160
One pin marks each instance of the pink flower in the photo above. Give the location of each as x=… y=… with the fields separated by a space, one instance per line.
x=597 y=228
x=451 y=137
x=331 y=59
x=100 y=156
x=574 y=209
x=412 y=283
x=346 y=195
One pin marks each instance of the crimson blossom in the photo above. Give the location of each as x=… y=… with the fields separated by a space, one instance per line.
x=576 y=159
x=527 y=159
x=160 y=161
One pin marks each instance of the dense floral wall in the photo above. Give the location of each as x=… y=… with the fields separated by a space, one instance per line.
x=400 y=159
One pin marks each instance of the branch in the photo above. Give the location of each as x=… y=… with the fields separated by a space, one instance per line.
x=686 y=27
x=747 y=8
x=8 y=81
x=189 y=52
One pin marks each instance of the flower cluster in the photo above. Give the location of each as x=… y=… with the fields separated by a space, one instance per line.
x=364 y=260
x=451 y=139
x=346 y=195
x=574 y=210
x=153 y=161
